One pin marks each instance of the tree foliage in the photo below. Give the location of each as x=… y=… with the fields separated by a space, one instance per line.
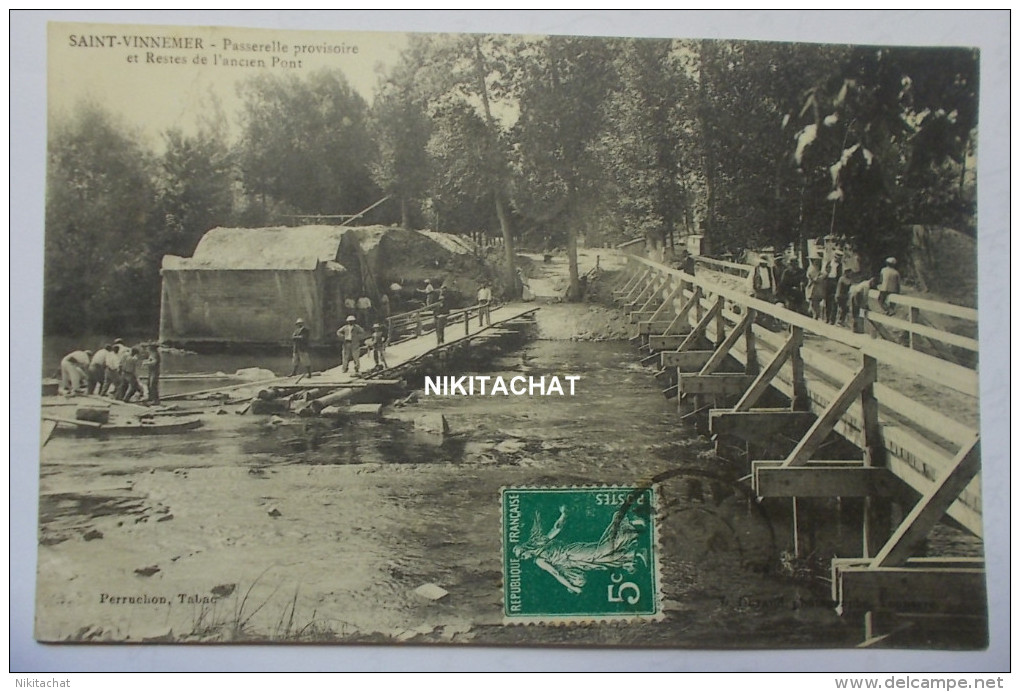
x=99 y=214
x=306 y=143
x=195 y=190
x=562 y=93
x=751 y=144
x=402 y=130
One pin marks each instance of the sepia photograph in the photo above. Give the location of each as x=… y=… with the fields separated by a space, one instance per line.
x=461 y=339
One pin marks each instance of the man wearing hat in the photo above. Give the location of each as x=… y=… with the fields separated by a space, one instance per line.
x=763 y=281
x=300 y=340
x=484 y=299
x=833 y=270
x=429 y=292
x=379 y=346
x=888 y=282
x=351 y=336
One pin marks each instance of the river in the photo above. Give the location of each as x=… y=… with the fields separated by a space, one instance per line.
x=310 y=530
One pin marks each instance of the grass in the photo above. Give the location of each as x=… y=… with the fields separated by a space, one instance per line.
x=211 y=624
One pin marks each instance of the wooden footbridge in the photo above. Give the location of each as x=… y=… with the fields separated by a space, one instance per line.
x=780 y=381
x=414 y=340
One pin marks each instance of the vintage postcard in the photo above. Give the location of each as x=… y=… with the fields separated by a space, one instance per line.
x=544 y=340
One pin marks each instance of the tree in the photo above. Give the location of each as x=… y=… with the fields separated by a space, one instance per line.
x=562 y=87
x=462 y=80
x=195 y=190
x=100 y=199
x=306 y=143
x=883 y=136
x=649 y=141
x=402 y=131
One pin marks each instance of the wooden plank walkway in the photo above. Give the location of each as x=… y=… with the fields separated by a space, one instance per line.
x=417 y=348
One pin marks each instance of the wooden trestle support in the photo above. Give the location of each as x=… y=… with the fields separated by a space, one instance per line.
x=693 y=329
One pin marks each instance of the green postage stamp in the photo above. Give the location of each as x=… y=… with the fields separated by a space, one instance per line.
x=573 y=554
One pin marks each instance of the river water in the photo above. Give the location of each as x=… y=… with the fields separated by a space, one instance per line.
x=310 y=530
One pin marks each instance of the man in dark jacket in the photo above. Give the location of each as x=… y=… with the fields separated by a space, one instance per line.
x=300 y=340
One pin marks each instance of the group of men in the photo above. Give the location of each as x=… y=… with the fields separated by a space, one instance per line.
x=112 y=371
x=832 y=291
x=366 y=311
x=351 y=334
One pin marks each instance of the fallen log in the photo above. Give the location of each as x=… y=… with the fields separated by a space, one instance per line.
x=72 y=421
x=316 y=405
x=229 y=388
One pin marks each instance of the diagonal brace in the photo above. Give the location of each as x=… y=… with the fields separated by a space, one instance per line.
x=833 y=412
x=931 y=507
x=764 y=378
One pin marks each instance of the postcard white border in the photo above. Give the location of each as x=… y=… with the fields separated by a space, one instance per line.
x=988 y=30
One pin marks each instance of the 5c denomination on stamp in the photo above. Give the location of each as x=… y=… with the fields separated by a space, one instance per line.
x=575 y=554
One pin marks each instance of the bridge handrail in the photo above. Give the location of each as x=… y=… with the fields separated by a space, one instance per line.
x=422 y=326
x=963 y=313
x=921 y=443
x=929 y=438
x=744 y=269
x=925 y=304
x=955 y=376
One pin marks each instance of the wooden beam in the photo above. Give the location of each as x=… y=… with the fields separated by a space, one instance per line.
x=666 y=375
x=848 y=479
x=667 y=303
x=759 y=424
x=628 y=285
x=699 y=328
x=799 y=400
x=671 y=392
x=662 y=342
x=689 y=361
x=640 y=315
x=634 y=289
x=652 y=326
x=642 y=296
x=930 y=333
x=681 y=322
x=764 y=378
x=713 y=363
x=825 y=423
x=931 y=507
x=860 y=588
x=723 y=384
x=72 y=421
x=750 y=353
x=654 y=295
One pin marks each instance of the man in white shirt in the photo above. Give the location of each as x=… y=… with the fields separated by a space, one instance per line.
x=763 y=281
x=97 y=370
x=484 y=300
